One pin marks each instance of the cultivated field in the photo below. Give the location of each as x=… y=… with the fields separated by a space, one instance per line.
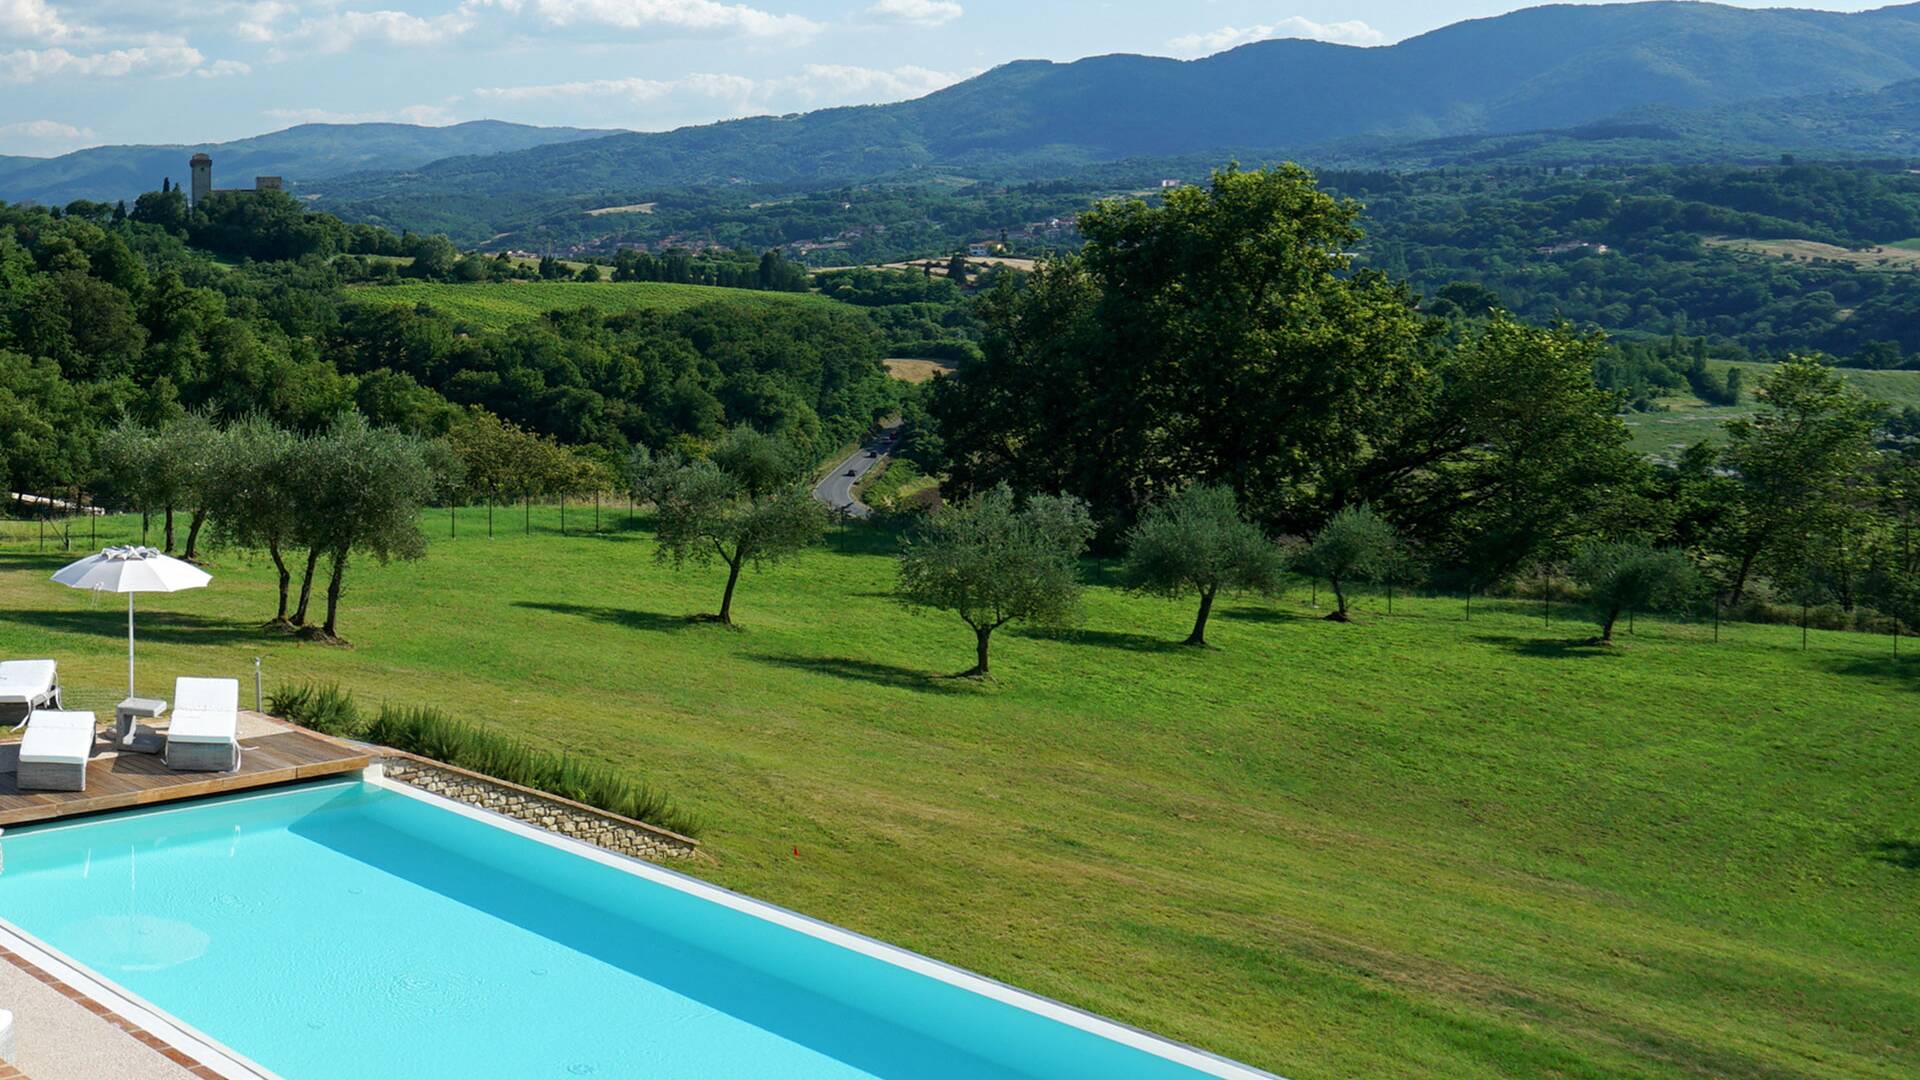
x=1900 y=257
x=916 y=371
x=1414 y=846
x=494 y=305
x=1689 y=420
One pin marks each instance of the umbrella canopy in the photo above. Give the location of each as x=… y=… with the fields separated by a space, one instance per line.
x=132 y=570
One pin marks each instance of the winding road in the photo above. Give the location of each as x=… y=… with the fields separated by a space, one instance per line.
x=837 y=489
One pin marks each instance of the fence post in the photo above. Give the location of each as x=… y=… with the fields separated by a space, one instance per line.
x=1716 y=618
x=563 y=513
x=1469 y=605
x=596 y=512
x=489 y=515
x=453 y=528
x=1803 y=626
x=1389 y=594
x=1629 y=621
x=259 y=702
x=527 y=502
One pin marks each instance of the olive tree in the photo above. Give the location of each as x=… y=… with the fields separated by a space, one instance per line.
x=1355 y=546
x=1623 y=576
x=993 y=561
x=255 y=498
x=362 y=492
x=745 y=503
x=1198 y=542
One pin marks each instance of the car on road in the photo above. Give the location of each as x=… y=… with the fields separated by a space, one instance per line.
x=873 y=453
x=853 y=472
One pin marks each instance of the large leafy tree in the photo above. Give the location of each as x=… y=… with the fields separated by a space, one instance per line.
x=745 y=503
x=1221 y=337
x=992 y=560
x=1792 y=461
x=1509 y=453
x=1197 y=542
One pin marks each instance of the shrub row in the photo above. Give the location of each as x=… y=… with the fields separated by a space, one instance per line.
x=430 y=733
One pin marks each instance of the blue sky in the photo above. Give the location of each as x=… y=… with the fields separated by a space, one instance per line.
x=76 y=73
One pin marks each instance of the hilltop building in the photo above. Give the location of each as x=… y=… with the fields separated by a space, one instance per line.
x=201 y=168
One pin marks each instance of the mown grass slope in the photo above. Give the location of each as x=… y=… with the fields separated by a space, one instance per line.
x=1419 y=845
x=494 y=305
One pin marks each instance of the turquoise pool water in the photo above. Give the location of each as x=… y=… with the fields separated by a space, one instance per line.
x=346 y=930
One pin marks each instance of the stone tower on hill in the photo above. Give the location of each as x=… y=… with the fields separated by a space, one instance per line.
x=202 y=169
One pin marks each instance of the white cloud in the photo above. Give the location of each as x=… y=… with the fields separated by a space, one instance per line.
x=841 y=84
x=160 y=60
x=701 y=17
x=34 y=20
x=918 y=12
x=815 y=84
x=1351 y=32
x=44 y=137
x=424 y=115
x=339 y=31
x=220 y=69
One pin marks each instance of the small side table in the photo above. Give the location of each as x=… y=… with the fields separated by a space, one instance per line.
x=131 y=735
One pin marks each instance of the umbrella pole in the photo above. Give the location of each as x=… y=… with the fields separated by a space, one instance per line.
x=130 y=645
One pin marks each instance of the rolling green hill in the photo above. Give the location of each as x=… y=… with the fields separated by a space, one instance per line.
x=493 y=306
x=1688 y=420
x=1545 y=67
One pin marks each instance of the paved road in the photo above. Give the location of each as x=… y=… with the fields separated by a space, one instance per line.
x=837 y=489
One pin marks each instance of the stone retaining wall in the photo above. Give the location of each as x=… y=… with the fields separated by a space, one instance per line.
x=623 y=836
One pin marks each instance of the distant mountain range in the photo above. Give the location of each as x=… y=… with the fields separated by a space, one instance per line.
x=302 y=154
x=1641 y=81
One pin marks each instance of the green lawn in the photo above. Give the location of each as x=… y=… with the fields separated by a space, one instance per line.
x=1413 y=846
x=491 y=306
x=1689 y=420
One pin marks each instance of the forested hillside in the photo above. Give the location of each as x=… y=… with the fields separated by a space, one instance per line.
x=105 y=318
x=1549 y=67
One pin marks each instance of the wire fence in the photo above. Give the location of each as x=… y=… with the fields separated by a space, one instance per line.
x=60 y=531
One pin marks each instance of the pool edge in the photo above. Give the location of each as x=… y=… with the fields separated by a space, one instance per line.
x=1204 y=1061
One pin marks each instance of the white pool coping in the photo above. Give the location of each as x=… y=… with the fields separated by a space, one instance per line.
x=234 y=1066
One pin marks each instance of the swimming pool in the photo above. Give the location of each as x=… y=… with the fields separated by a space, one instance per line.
x=350 y=928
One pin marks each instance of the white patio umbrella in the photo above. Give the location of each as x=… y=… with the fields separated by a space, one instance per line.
x=132 y=570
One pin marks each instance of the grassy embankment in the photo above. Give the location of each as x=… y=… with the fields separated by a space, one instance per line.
x=1413 y=846
x=492 y=306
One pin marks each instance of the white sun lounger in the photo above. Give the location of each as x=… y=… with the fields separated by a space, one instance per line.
x=29 y=685
x=55 y=749
x=205 y=733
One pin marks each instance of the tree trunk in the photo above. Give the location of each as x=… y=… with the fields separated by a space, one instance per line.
x=286 y=578
x=726 y=601
x=333 y=594
x=193 y=533
x=983 y=635
x=306 y=587
x=1606 y=625
x=1199 y=635
x=1339 y=613
x=169 y=548
x=1740 y=577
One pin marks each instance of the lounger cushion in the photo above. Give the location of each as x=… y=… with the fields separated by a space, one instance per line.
x=203 y=726
x=26 y=681
x=206 y=695
x=58 y=738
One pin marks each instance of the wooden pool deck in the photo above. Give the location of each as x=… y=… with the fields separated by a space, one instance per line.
x=271 y=753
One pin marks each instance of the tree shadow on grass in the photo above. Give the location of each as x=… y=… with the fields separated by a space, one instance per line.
x=1549 y=648
x=1268 y=615
x=172 y=627
x=1107 y=639
x=1905 y=669
x=622 y=617
x=891 y=676
x=863 y=538
x=1904 y=854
